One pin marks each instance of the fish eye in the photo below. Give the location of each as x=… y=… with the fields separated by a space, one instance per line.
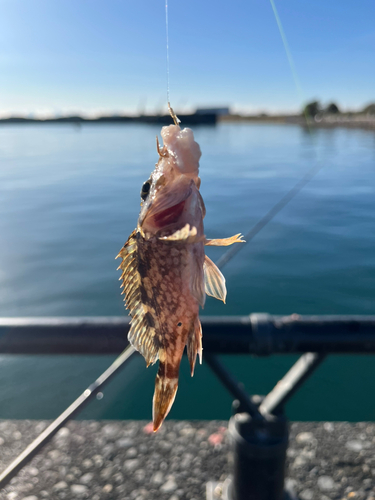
x=145 y=189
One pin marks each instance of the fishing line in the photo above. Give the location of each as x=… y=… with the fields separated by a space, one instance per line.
x=171 y=112
x=288 y=52
x=167 y=35
x=292 y=66
x=78 y=405
x=301 y=183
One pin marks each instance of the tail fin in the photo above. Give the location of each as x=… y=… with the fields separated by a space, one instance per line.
x=165 y=392
x=194 y=344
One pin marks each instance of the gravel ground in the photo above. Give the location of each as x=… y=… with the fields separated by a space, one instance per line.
x=125 y=460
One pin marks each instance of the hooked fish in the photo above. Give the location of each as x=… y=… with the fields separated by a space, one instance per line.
x=165 y=272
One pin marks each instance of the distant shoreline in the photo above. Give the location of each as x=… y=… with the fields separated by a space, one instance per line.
x=188 y=119
x=353 y=120
x=329 y=121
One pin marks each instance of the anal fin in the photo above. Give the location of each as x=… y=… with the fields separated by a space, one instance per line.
x=214 y=281
x=225 y=242
x=194 y=344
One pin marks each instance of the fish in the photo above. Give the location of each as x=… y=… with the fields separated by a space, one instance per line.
x=165 y=272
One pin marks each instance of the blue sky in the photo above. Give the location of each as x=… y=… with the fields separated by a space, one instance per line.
x=93 y=56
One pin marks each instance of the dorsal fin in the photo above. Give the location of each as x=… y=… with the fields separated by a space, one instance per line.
x=214 y=281
x=141 y=334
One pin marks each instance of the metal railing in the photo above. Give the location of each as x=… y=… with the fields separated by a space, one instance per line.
x=260 y=334
x=258 y=429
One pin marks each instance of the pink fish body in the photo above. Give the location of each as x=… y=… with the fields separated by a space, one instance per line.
x=165 y=272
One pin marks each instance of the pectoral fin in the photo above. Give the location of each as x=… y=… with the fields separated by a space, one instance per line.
x=225 y=242
x=214 y=281
x=186 y=235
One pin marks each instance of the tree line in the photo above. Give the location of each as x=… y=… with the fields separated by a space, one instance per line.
x=314 y=108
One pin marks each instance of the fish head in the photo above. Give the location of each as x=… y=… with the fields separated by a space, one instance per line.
x=170 y=197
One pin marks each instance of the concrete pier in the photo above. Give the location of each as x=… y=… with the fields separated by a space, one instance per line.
x=125 y=460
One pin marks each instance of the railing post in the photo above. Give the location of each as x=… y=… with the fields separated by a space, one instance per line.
x=259 y=452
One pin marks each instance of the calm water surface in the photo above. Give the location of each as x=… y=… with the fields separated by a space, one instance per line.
x=69 y=197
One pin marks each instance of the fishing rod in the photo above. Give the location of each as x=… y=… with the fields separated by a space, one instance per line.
x=72 y=410
x=271 y=214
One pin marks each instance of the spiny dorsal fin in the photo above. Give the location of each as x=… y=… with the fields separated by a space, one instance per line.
x=214 y=281
x=225 y=242
x=141 y=334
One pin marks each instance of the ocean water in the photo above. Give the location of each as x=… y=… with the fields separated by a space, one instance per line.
x=69 y=197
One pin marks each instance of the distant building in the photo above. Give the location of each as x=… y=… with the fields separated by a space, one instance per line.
x=213 y=111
